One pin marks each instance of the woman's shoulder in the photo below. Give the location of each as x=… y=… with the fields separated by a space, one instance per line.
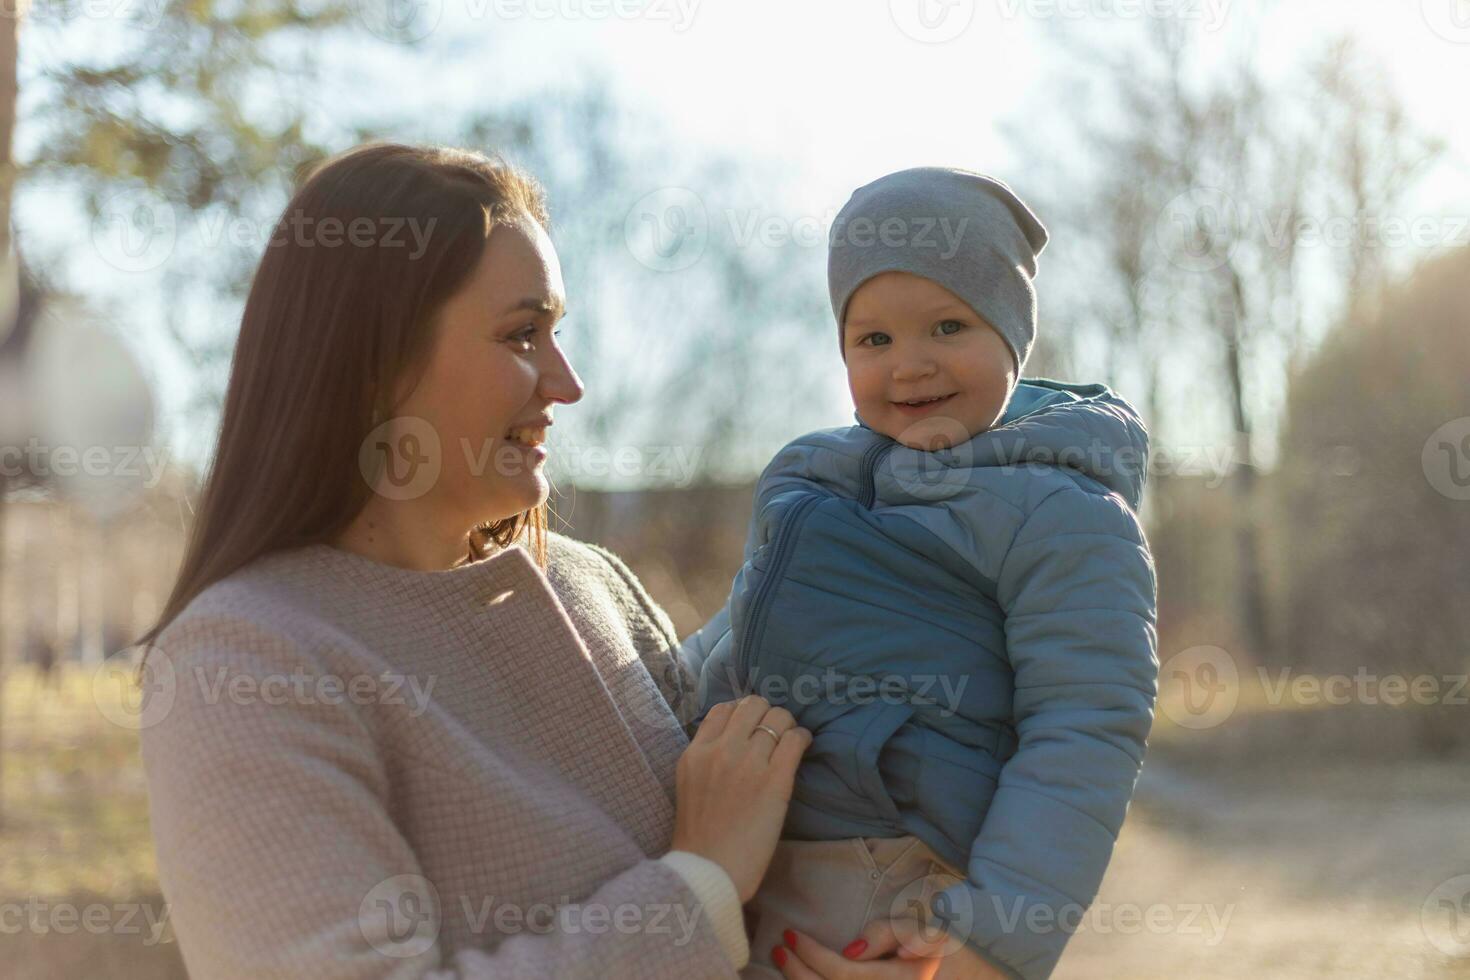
x=276 y=600
x=562 y=549
x=574 y=565
x=602 y=593
x=573 y=556
x=570 y=561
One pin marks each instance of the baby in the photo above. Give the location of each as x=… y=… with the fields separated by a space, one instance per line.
x=954 y=596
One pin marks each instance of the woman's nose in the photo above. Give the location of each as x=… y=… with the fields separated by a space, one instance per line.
x=559 y=383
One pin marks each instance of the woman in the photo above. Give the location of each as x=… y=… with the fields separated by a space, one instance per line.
x=392 y=725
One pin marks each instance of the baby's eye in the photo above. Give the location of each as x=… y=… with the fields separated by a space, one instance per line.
x=878 y=339
x=957 y=324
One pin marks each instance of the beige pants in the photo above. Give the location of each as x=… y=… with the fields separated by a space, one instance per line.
x=831 y=889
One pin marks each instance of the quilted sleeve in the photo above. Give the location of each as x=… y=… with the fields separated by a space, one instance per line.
x=1078 y=589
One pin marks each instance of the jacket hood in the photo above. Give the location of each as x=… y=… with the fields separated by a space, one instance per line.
x=1084 y=427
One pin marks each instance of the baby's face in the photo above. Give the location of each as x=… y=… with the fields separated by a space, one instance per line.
x=907 y=338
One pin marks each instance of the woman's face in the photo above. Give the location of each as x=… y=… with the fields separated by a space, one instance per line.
x=493 y=374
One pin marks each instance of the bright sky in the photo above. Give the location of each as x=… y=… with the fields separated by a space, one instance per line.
x=847 y=91
x=838 y=91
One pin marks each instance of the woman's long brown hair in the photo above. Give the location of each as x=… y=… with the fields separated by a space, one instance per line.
x=327 y=332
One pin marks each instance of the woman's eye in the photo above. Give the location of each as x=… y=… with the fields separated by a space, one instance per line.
x=957 y=324
x=521 y=339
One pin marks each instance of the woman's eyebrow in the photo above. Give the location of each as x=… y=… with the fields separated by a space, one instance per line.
x=538 y=304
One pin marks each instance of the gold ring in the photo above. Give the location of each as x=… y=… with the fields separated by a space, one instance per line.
x=769 y=731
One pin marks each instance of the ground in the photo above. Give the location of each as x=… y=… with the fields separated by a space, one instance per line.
x=1321 y=872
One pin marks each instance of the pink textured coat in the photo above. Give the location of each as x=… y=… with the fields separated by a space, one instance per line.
x=357 y=770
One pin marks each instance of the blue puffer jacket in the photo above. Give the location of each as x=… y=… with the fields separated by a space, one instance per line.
x=970 y=637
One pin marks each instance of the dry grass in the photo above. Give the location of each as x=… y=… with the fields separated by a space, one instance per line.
x=1308 y=873
x=75 y=835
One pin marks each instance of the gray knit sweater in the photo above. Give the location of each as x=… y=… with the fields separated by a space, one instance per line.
x=357 y=770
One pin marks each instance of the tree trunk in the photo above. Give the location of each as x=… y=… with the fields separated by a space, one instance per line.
x=1251 y=598
x=3 y=610
x=9 y=266
x=9 y=38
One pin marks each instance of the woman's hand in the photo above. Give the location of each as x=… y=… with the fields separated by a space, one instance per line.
x=906 y=940
x=733 y=785
x=887 y=948
x=803 y=958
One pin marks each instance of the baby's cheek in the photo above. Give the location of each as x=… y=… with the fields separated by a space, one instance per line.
x=871 y=408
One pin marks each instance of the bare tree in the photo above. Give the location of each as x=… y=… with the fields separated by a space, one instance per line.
x=1376 y=154
x=1195 y=195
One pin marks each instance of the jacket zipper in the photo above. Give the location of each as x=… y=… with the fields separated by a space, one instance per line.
x=780 y=553
x=780 y=546
x=868 y=489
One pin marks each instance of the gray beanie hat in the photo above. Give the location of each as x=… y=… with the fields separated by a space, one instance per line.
x=968 y=232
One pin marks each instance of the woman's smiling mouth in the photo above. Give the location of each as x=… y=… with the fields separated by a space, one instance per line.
x=530 y=438
x=527 y=435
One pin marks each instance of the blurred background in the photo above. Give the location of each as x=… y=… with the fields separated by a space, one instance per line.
x=1260 y=215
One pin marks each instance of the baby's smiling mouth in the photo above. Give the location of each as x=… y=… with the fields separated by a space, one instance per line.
x=922 y=404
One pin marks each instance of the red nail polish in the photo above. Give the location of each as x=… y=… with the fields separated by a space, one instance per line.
x=855 y=948
x=778 y=955
x=790 y=937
